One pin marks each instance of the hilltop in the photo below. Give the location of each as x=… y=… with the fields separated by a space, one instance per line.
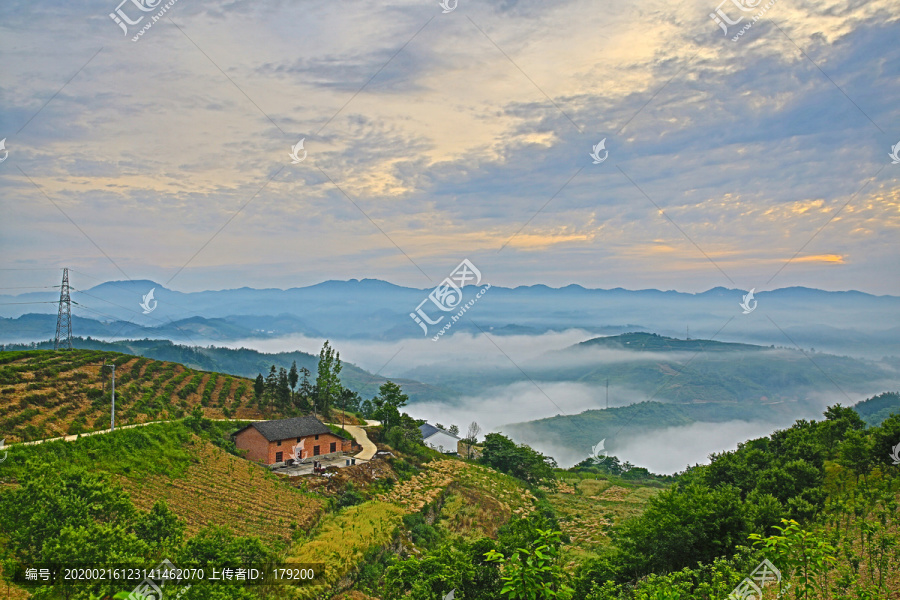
x=652 y=342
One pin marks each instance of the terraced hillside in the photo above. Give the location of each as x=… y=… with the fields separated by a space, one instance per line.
x=200 y=482
x=47 y=394
x=222 y=489
x=589 y=506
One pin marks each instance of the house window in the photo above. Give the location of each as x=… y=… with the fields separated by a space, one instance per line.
x=299 y=440
x=278 y=443
x=317 y=437
x=279 y=457
x=333 y=447
x=315 y=450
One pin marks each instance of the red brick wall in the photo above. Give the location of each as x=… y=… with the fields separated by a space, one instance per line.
x=254 y=443
x=309 y=442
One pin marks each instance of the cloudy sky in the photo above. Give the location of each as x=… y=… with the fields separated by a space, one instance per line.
x=435 y=136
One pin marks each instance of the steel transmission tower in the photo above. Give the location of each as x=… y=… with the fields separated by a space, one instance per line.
x=64 y=317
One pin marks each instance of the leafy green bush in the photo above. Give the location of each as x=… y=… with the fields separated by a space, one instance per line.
x=518 y=460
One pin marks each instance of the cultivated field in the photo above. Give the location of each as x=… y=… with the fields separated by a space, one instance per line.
x=48 y=394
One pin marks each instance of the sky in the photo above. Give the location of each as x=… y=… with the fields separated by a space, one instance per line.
x=431 y=135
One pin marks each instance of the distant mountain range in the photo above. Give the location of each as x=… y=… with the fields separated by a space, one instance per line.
x=847 y=322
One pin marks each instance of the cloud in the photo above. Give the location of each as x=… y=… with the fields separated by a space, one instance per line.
x=451 y=140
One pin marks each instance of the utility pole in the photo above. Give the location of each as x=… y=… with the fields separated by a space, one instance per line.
x=112 y=414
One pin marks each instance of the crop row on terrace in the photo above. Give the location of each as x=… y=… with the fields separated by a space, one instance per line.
x=341 y=542
x=221 y=489
x=47 y=394
x=587 y=509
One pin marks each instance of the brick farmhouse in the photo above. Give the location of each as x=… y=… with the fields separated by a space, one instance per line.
x=299 y=439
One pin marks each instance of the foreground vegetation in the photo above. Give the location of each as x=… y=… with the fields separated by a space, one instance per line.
x=818 y=500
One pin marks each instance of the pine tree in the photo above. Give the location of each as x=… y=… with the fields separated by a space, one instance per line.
x=259 y=386
x=271 y=385
x=305 y=391
x=293 y=377
x=282 y=390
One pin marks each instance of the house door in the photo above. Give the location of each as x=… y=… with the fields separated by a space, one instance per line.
x=333 y=447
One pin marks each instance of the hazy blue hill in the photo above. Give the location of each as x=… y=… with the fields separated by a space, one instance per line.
x=875 y=410
x=647 y=366
x=652 y=342
x=582 y=431
x=585 y=429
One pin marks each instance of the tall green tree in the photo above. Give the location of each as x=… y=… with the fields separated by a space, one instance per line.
x=328 y=380
x=349 y=400
x=387 y=403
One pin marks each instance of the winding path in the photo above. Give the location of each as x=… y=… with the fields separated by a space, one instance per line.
x=359 y=434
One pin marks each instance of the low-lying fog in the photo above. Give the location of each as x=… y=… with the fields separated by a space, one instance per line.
x=664 y=451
